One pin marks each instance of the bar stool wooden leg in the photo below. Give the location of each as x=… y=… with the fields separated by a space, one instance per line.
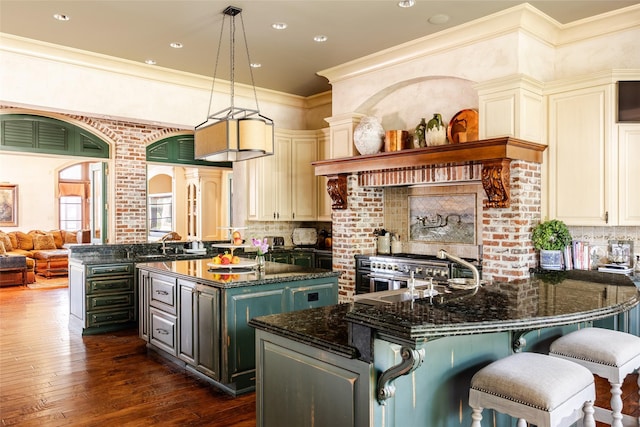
x=616 y=405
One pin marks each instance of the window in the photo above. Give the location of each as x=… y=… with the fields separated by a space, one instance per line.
x=160 y=209
x=73 y=197
x=70 y=213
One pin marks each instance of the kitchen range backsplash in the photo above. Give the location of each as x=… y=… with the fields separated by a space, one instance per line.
x=260 y=229
x=396 y=220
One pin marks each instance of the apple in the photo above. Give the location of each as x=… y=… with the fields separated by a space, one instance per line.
x=236 y=235
x=217 y=260
x=235 y=259
x=225 y=260
x=237 y=241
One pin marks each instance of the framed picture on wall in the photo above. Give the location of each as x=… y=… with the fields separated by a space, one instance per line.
x=8 y=205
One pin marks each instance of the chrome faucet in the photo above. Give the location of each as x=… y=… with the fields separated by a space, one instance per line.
x=442 y=254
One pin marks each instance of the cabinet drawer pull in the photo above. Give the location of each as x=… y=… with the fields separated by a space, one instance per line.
x=162 y=292
x=162 y=331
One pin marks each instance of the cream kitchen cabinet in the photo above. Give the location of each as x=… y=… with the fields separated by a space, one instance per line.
x=592 y=160
x=324 y=153
x=629 y=174
x=283 y=187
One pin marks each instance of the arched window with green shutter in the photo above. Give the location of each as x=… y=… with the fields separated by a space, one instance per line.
x=38 y=134
x=180 y=150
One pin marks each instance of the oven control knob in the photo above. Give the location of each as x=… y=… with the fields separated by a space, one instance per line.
x=429 y=272
x=418 y=270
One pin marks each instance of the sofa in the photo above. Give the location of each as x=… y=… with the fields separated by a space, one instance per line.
x=45 y=251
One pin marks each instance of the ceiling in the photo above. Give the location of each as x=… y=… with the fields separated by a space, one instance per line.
x=138 y=30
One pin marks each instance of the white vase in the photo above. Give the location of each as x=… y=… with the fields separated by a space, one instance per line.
x=368 y=136
x=436 y=132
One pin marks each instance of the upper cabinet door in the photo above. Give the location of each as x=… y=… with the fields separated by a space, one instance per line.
x=629 y=160
x=581 y=157
x=304 y=183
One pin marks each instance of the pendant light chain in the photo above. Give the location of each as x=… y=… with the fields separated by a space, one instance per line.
x=253 y=83
x=215 y=69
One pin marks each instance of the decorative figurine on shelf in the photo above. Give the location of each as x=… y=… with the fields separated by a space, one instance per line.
x=368 y=136
x=436 y=132
x=419 y=135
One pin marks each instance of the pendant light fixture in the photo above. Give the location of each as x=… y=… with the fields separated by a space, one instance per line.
x=233 y=134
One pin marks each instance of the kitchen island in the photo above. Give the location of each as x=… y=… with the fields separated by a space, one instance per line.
x=384 y=363
x=196 y=313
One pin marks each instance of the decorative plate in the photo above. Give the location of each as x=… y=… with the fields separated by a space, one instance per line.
x=463 y=127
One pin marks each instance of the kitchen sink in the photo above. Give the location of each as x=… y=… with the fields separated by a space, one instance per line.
x=398 y=295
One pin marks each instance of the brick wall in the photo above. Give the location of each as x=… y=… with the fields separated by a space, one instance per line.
x=128 y=152
x=505 y=232
x=353 y=232
x=128 y=142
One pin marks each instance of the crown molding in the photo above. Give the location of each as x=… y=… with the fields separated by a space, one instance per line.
x=523 y=18
x=80 y=58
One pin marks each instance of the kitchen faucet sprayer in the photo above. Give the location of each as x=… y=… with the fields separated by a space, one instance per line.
x=442 y=254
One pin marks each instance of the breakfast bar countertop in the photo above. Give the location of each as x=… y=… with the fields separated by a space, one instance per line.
x=545 y=300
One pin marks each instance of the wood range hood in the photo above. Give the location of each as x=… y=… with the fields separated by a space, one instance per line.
x=495 y=156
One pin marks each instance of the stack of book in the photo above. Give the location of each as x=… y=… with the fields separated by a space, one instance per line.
x=579 y=257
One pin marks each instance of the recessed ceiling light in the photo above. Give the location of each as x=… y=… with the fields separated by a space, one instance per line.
x=279 y=25
x=61 y=17
x=150 y=62
x=320 y=38
x=440 y=18
x=406 y=3
x=255 y=65
x=176 y=45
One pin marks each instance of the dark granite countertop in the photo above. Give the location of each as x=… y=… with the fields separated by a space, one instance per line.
x=545 y=300
x=223 y=277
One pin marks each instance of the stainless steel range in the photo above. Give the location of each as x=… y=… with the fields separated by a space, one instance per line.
x=376 y=273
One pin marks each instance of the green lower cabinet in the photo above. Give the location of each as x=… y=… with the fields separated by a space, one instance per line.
x=303 y=259
x=187 y=320
x=318 y=295
x=315 y=387
x=281 y=257
x=208 y=330
x=300 y=385
x=207 y=327
x=241 y=305
x=102 y=297
x=296 y=257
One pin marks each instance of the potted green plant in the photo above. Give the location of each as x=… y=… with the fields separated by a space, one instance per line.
x=551 y=238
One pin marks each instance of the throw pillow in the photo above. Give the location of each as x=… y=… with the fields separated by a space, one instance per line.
x=25 y=241
x=71 y=237
x=2 y=251
x=57 y=238
x=14 y=240
x=6 y=242
x=43 y=241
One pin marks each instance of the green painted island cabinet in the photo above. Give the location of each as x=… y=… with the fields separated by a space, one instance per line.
x=102 y=297
x=206 y=327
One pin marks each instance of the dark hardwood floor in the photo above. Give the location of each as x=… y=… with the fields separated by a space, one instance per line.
x=50 y=376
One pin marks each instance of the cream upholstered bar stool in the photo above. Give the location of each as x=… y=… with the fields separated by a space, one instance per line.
x=543 y=390
x=609 y=354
